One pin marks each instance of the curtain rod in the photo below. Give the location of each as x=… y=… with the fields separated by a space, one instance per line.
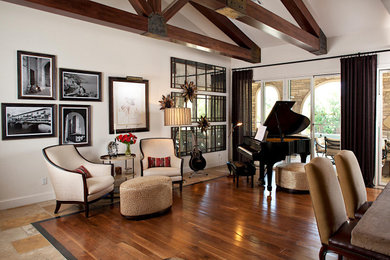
x=309 y=60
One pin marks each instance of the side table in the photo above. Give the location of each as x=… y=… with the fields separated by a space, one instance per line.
x=120 y=157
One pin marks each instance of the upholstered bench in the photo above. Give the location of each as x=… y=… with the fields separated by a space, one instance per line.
x=145 y=197
x=291 y=177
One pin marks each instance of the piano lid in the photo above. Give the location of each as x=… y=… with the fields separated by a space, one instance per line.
x=282 y=120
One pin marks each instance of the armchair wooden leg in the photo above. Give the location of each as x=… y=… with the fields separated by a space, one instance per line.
x=58 y=205
x=323 y=251
x=86 y=206
x=181 y=186
x=112 y=196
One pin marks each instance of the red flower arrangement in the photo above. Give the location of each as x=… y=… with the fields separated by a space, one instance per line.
x=128 y=138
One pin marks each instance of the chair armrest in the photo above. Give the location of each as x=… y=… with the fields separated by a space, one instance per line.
x=99 y=169
x=176 y=162
x=68 y=185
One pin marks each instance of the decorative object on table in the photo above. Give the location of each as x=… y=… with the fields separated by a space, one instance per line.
x=128 y=105
x=112 y=148
x=28 y=120
x=166 y=102
x=128 y=139
x=177 y=116
x=189 y=91
x=203 y=124
x=197 y=161
x=75 y=124
x=118 y=170
x=36 y=75
x=80 y=85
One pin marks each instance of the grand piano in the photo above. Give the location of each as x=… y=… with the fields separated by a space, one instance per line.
x=281 y=140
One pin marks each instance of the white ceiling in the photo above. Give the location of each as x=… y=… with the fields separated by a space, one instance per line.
x=335 y=17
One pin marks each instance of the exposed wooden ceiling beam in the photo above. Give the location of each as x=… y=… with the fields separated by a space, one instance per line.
x=101 y=14
x=141 y=7
x=228 y=27
x=302 y=16
x=156 y=5
x=255 y=15
x=173 y=8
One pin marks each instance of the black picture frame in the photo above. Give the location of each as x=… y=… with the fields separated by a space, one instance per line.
x=20 y=121
x=80 y=85
x=128 y=105
x=75 y=125
x=36 y=75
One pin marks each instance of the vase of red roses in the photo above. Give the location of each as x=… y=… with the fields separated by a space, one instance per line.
x=127 y=139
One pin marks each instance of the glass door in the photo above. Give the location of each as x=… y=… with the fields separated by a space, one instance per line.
x=384 y=140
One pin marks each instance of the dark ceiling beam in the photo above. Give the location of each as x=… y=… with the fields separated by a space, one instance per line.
x=141 y=7
x=173 y=8
x=302 y=16
x=156 y=5
x=228 y=27
x=104 y=15
x=256 y=16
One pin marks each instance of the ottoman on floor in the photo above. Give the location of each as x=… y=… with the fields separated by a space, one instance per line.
x=291 y=177
x=145 y=197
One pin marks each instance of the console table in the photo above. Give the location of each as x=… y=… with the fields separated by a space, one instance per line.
x=120 y=157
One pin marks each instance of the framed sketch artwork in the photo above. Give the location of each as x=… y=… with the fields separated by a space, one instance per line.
x=80 y=85
x=36 y=75
x=28 y=120
x=128 y=105
x=75 y=124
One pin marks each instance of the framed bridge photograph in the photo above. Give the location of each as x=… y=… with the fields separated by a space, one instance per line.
x=36 y=75
x=75 y=124
x=28 y=120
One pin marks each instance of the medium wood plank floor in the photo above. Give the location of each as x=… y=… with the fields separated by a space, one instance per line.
x=210 y=220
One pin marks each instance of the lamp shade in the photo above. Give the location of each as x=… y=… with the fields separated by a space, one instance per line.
x=177 y=116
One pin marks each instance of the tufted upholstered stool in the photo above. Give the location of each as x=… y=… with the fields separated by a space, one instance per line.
x=145 y=197
x=291 y=177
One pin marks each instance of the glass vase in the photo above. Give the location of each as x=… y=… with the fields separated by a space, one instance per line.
x=128 y=150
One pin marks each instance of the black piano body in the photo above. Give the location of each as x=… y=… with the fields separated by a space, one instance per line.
x=281 y=140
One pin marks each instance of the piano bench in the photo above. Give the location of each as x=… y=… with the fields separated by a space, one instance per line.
x=241 y=169
x=291 y=178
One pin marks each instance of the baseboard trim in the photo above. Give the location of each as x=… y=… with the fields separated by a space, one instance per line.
x=26 y=200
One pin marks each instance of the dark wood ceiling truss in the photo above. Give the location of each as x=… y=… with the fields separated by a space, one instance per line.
x=151 y=21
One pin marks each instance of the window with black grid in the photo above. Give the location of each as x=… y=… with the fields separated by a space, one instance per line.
x=212 y=140
x=206 y=77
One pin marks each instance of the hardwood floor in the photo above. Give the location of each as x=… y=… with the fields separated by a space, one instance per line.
x=210 y=220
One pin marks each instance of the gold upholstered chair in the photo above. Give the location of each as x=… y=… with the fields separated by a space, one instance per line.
x=76 y=180
x=352 y=184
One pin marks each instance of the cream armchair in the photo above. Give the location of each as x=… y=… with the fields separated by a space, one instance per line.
x=72 y=187
x=160 y=148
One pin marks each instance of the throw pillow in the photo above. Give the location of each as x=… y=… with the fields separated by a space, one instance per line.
x=159 y=162
x=84 y=171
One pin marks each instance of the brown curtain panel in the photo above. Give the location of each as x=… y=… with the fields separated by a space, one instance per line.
x=358 y=107
x=241 y=108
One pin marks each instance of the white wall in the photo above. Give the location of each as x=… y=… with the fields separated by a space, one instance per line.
x=84 y=46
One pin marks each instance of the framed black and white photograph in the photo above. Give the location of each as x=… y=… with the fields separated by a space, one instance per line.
x=36 y=75
x=80 y=85
x=28 y=120
x=128 y=105
x=75 y=124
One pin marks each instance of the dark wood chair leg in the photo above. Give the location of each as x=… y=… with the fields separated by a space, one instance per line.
x=58 y=205
x=86 y=206
x=323 y=251
x=247 y=179
x=181 y=186
x=112 y=196
x=237 y=180
x=252 y=181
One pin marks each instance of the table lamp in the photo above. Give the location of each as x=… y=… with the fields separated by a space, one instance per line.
x=177 y=116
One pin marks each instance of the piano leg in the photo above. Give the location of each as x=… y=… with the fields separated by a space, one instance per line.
x=303 y=157
x=269 y=176
x=261 y=173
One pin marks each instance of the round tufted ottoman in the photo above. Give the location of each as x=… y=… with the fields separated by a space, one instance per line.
x=291 y=177
x=145 y=197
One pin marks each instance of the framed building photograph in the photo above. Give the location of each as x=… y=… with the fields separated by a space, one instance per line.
x=28 y=120
x=36 y=75
x=75 y=125
x=80 y=85
x=128 y=105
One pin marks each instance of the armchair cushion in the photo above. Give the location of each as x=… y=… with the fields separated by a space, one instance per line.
x=159 y=162
x=162 y=171
x=96 y=184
